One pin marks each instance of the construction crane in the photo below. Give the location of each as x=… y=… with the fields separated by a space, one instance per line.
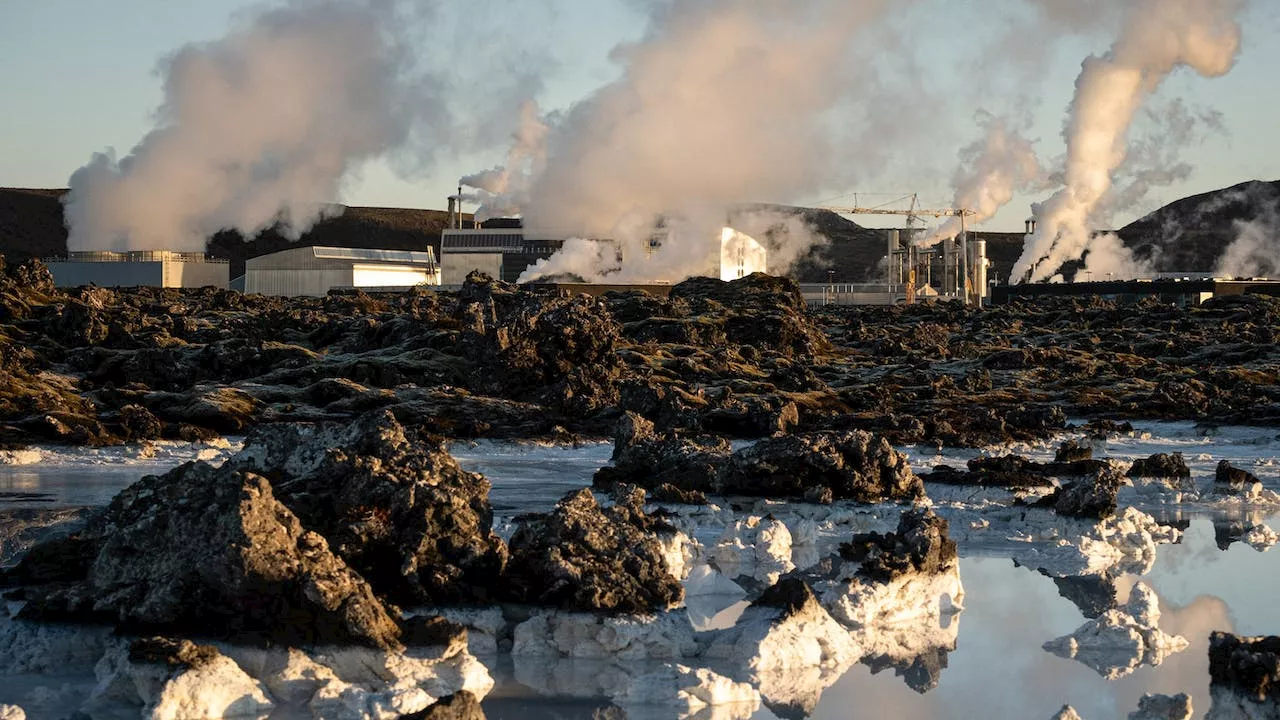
x=913 y=214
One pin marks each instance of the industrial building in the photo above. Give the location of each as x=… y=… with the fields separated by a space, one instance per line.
x=503 y=253
x=317 y=270
x=1174 y=291
x=507 y=252
x=916 y=274
x=139 y=268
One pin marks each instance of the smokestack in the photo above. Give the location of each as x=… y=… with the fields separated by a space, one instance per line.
x=453 y=207
x=1031 y=226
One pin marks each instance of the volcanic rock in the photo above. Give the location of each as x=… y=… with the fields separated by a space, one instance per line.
x=587 y=558
x=1248 y=666
x=921 y=544
x=641 y=458
x=204 y=551
x=395 y=506
x=1160 y=465
x=1073 y=451
x=1088 y=497
x=855 y=465
x=1234 y=481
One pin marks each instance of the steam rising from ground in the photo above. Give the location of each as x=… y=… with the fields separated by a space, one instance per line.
x=255 y=129
x=721 y=102
x=1158 y=37
x=1256 y=250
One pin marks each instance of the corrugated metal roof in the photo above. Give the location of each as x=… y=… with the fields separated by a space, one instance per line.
x=371 y=254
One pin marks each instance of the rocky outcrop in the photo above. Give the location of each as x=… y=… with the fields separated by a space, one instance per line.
x=588 y=558
x=1231 y=480
x=393 y=504
x=1247 y=666
x=818 y=467
x=203 y=551
x=641 y=457
x=1092 y=497
x=921 y=544
x=854 y=465
x=1160 y=465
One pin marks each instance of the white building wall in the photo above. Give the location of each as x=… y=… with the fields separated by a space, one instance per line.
x=455 y=266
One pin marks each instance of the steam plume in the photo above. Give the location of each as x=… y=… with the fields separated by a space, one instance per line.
x=1158 y=37
x=256 y=128
x=721 y=102
x=991 y=170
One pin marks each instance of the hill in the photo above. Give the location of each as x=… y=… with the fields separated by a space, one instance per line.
x=1190 y=235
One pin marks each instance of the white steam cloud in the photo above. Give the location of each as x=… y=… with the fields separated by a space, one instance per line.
x=1255 y=252
x=257 y=128
x=722 y=102
x=1158 y=37
x=991 y=171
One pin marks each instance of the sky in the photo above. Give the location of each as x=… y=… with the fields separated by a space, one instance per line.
x=79 y=76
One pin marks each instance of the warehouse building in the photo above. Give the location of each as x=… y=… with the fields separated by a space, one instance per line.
x=506 y=253
x=139 y=268
x=317 y=270
x=503 y=253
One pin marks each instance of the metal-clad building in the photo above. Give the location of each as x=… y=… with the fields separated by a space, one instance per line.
x=139 y=268
x=317 y=270
x=500 y=253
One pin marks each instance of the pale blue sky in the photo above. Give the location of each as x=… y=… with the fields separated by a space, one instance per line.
x=77 y=77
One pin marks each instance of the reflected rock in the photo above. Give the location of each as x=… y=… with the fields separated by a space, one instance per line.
x=40 y=648
x=462 y=705
x=921 y=673
x=684 y=692
x=1120 y=640
x=756 y=548
x=786 y=628
x=795 y=693
x=176 y=680
x=667 y=635
x=1093 y=594
x=1228 y=530
x=1230 y=705
x=21 y=528
x=1249 y=666
x=1163 y=707
x=1261 y=538
x=12 y=712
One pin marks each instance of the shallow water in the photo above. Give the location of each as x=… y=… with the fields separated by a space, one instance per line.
x=997 y=668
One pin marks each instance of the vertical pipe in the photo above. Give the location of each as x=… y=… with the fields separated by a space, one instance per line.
x=964 y=257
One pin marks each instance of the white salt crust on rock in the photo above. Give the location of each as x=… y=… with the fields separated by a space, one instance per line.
x=757 y=547
x=217 y=689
